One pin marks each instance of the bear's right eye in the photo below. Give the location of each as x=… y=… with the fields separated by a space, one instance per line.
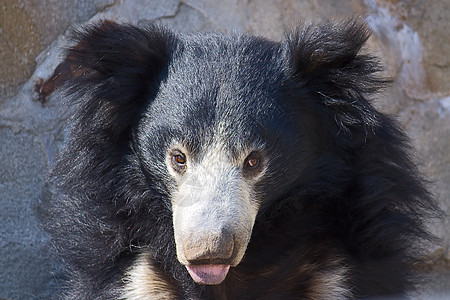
x=178 y=160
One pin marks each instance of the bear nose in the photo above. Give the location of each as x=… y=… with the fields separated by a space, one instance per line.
x=211 y=246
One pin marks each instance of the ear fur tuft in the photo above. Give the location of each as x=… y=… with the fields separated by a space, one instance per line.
x=116 y=70
x=325 y=59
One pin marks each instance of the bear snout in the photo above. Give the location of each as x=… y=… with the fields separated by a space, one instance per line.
x=209 y=247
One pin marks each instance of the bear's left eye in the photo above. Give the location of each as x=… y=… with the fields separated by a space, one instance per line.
x=253 y=163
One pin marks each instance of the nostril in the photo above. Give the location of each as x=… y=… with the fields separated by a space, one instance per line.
x=209 y=245
x=226 y=244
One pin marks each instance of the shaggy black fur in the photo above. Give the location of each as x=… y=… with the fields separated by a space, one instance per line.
x=342 y=200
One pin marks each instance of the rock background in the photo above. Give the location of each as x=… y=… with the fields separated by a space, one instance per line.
x=412 y=37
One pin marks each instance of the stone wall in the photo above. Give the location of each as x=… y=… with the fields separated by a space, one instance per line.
x=410 y=35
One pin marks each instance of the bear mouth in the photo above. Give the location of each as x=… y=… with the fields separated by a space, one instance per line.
x=208 y=274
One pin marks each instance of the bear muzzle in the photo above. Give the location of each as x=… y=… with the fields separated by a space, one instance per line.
x=213 y=218
x=209 y=247
x=208 y=255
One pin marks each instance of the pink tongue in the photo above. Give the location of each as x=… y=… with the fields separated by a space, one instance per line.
x=208 y=274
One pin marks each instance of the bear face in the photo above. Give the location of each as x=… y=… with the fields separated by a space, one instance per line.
x=215 y=142
x=218 y=166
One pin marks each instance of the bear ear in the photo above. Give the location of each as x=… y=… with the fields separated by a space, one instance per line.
x=325 y=59
x=115 y=69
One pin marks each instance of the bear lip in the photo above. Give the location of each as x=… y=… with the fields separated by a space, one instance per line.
x=208 y=274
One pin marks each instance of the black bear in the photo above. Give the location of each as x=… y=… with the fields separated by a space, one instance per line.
x=228 y=166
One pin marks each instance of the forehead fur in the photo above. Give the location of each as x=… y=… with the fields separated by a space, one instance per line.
x=219 y=85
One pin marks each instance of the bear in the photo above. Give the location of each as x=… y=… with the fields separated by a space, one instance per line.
x=230 y=166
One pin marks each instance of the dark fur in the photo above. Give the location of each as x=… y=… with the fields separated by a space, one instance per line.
x=342 y=193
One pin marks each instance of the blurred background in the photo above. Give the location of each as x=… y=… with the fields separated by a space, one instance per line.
x=411 y=36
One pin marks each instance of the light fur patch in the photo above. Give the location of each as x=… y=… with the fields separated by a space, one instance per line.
x=330 y=284
x=143 y=282
x=213 y=194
